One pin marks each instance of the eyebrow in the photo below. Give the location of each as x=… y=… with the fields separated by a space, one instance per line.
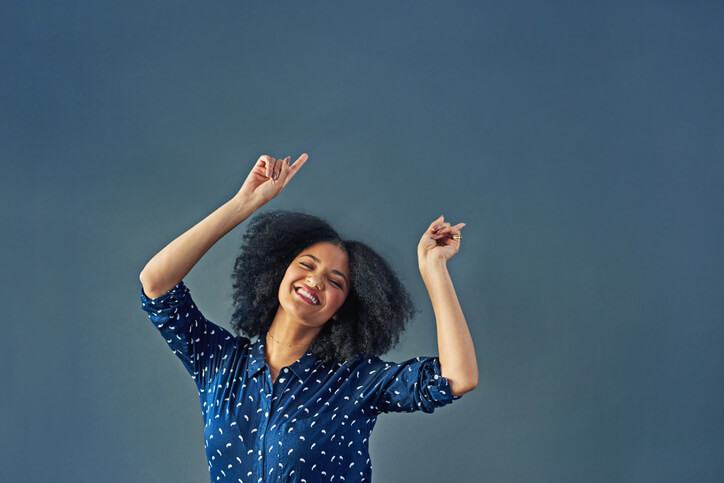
x=333 y=271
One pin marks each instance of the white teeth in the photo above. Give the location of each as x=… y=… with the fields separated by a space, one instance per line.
x=307 y=295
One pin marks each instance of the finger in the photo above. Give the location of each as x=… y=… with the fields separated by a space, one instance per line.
x=441 y=226
x=452 y=227
x=267 y=164
x=273 y=167
x=284 y=165
x=296 y=166
x=300 y=162
x=453 y=236
x=261 y=164
x=455 y=231
x=446 y=231
x=278 y=167
x=286 y=173
x=440 y=219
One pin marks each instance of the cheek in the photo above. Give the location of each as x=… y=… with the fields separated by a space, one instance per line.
x=339 y=299
x=285 y=284
x=290 y=276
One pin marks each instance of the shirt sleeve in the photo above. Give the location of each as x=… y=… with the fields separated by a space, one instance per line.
x=413 y=385
x=202 y=346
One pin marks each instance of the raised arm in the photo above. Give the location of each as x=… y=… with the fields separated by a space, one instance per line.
x=458 y=363
x=169 y=266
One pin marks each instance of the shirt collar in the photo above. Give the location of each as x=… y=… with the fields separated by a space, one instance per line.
x=257 y=362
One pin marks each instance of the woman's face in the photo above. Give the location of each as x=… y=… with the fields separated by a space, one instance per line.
x=315 y=284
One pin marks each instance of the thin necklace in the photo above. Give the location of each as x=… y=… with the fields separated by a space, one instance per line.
x=288 y=345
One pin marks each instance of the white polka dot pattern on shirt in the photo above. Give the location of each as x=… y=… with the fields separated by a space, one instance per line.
x=313 y=422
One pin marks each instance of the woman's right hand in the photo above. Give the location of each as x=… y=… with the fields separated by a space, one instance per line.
x=268 y=177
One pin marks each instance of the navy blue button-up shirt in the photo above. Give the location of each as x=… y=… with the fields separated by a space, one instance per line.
x=310 y=425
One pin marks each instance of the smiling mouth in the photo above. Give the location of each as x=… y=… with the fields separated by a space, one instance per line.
x=306 y=296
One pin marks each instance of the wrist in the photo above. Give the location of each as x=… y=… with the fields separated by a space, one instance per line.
x=246 y=201
x=431 y=265
x=243 y=206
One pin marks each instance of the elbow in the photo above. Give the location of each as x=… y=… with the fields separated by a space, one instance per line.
x=144 y=284
x=148 y=286
x=470 y=382
x=463 y=387
x=463 y=382
x=143 y=277
x=472 y=386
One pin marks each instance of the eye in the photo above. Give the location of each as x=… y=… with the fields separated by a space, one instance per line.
x=333 y=282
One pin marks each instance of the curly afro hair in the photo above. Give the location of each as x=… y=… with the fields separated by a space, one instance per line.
x=372 y=316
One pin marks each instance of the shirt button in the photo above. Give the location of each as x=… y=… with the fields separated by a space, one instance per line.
x=266 y=414
x=436 y=376
x=286 y=369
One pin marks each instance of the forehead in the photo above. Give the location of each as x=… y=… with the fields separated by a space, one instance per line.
x=328 y=254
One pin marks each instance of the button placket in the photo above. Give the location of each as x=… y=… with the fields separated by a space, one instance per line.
x=265 y=423
x=278 y=388
x=282 y=381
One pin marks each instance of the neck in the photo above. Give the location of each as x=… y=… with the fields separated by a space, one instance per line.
x=285 y=332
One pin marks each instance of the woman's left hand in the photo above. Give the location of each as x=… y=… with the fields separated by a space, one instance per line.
x=439 y=242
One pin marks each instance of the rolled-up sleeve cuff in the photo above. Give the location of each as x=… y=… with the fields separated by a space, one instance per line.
x=435 y=388
x=163 y=303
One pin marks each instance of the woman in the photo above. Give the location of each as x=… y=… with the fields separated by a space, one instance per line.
x=300 y=402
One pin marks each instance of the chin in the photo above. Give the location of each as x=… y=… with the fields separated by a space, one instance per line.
x=301 y=317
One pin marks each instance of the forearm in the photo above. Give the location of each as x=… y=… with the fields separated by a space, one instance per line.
x=457 y=353
x=169 y=266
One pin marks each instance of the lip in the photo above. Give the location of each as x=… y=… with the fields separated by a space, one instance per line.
x=296 y=290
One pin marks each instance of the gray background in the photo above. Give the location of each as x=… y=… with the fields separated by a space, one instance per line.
x=581 y=142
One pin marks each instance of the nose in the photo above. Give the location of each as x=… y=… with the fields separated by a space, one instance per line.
x=314 y=281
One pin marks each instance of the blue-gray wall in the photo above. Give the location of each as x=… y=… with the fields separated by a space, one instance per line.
x=581 y=142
